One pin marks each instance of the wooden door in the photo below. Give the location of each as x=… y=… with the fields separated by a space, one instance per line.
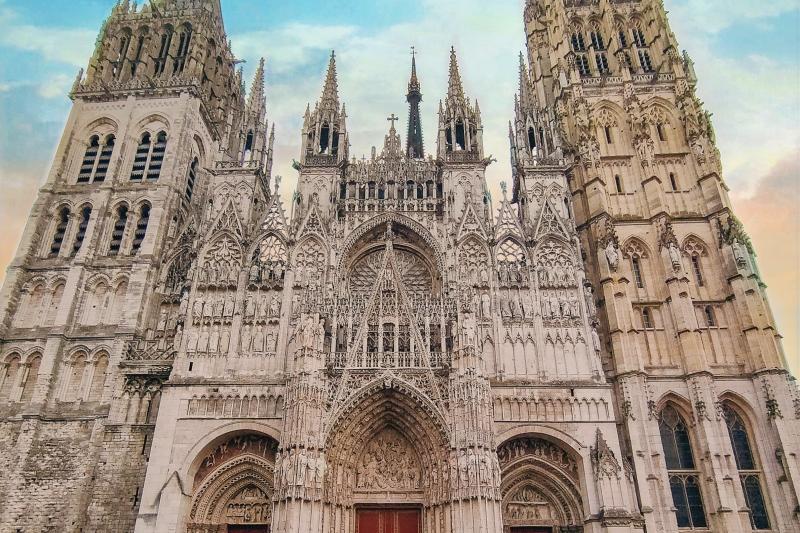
x=527 y=529
x=388 y=521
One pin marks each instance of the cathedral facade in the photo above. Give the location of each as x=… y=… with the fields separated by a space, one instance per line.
x=400 y=352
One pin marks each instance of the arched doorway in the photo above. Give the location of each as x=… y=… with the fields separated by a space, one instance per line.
x=233 y=486
x=388 y=463
x=540 y=487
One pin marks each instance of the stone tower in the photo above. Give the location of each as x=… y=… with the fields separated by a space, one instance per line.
x=594 y=353
x=688 y=340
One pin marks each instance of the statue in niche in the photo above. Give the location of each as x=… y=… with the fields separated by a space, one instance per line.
x=176 y=342
x=250 y=306
x=197 y=308
x=213 y=340
x=245 y=342
x=612 y=255
x=588 y=292
x=191 y=343
x=224 y=340
x=515 y=312
x=202 y=343
x=319 y=335
x=275 y=307
x=263 y=307
x=596 y=340
x=486 y=306
x=228 y=306
x=184 y=305
x=162 y=321
x=258 y=340
x=469 y=329
x=674 y=256
x=306 y=333
x=255 y=272
x=740 y=253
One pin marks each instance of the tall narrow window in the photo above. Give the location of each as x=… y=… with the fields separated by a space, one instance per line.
x=684 y=478
x=118 y=231
x=749 y=471
x=578 y=44
x=190 y=180
x=618 y=183
x=89 y=159
x=609 y=137
x=184 y=39
x=157 y=157
x=623 y=39
x=583 y=65
x=638 y=38
x=104 y=160
x=86 y=212
x=388 y=338
x=141 y=228
x=61 y=231
x=698 y=271
x=124 y=44
x=673 y=181
x=711 y=320
x=647 y=319
x=163 y=52
x=579 y=47
x=137 y=56
x=597 y=40
x=636 y=265
x=140 y=159
x=324 y=138
x=461 y=139
x=248 y=146
x=531 y=138
x=644 y=61
x=662 y=134
x=602 y=63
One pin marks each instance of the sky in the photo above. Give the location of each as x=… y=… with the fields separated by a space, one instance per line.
x=746 y=53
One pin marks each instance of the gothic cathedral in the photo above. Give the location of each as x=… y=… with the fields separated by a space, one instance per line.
x=400 y=352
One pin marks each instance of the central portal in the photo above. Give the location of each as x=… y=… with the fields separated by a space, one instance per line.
x=389 y=521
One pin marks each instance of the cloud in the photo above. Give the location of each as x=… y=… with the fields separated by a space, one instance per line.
x=713 y=16
x=55 y=87
x=71 y=46
x=770 y=217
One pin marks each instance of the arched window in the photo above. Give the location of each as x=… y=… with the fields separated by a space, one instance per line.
x=532 y=138
x=137 y=56
x=190 y=181
x=157 y=157
x=662 y=134
x=388 y=337
x=124 y=44
x=343 y=190
x=698 y=270
x=31 y=374
x=163 y=51
x=642 y=49
x=461 y=139
x=711 y=321
x=104 y=160
x=684 y=479
x=184 y=39
x=636 y=266
x=89 y=159
x=86 y=212
x=60 y=232
x=647 y=319
x=609 y=136
x=141 y=228
x=618 y=183
x=98 y=378
x=140 y=159
x=119 y=230
x=76 y=368
x=599 y=45
x=55 y=303
x=673 y=181
x=324 y=138
x=578 y=43
x=749 y=470
x=8 y=377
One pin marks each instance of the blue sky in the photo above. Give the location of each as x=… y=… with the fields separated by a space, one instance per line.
x=747 y=55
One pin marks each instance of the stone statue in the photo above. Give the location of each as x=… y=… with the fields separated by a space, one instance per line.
x=596 y=340
x=486 y=306
x=612 y=255
x=588 y=292
x=275 y=307
x=739 y=253
x=255 y=272
x=469 y=329
x=674 y=256
x=184 y=306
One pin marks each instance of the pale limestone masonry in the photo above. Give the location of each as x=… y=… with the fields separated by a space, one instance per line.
x=592 y=352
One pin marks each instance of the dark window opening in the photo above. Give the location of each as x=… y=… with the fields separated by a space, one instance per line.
x=618 y=183
x=578 y=44
x=647 y=319
x=673 y=181
x=662 y=136
x=609 y=137
x=448 y=139
x=583 y=65
x=343 y=191
x=324 y=138
x=118 y=231
x=602 y=63
x=644 y=60
x=89 y=159
x=104 y=160
x=531 y=138
x=335 y=146
x=61 y=231
x=157 y=157
x=190 y=181
x=711 y=321
x=698 y=271
x=163 y=52
x=141 y=228
x=119 y=64
x=637 y=272
x=140 y=159
x=460 y=136
x=86 y=212
x=184 y=39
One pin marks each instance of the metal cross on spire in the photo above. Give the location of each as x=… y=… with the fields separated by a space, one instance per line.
x=393 y=119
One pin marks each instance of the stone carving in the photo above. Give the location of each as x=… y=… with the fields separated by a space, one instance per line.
x=389 y=463
x=545 y=450
x=249 y=506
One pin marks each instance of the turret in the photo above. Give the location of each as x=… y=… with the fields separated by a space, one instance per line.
x=460 y=127
x=324 y=129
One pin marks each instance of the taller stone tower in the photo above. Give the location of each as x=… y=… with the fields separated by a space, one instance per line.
x=707 y=406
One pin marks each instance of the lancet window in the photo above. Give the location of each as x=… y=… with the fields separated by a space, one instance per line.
x=748 y=466
x=96 y=160
x=141 y=228
x=163 y=51
x=60 y=231
x=83 y=225
x=184 y=40
x=684 y=478
x=118 y=231
x=149 y=157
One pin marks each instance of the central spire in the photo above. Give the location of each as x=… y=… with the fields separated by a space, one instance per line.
x=414 y=145
x=455 y=90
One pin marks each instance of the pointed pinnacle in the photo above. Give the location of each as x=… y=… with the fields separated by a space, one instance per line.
x=454 y=87
x=413 y=84
x=257 y=87
x=330 y=93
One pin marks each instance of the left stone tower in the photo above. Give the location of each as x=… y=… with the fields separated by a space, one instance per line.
x=91 y=306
